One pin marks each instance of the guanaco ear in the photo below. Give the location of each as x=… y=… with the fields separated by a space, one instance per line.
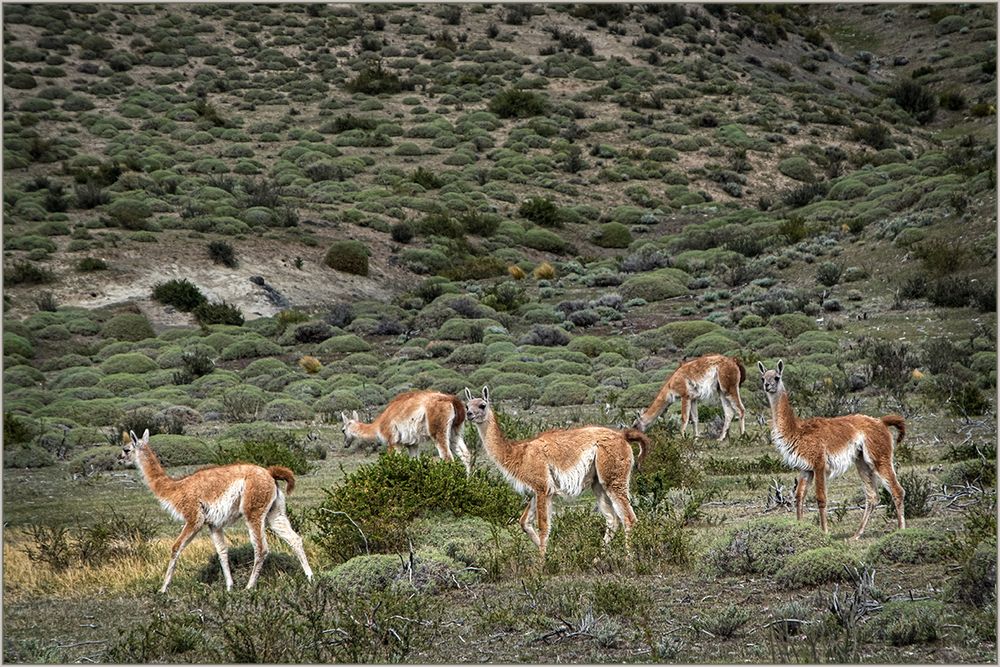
x=142 y=442
x=129 y=438
x=761 y=367
x=781 y=367
x=355 y=416
x=468 y=394
x=343 y=417
x=486 y=394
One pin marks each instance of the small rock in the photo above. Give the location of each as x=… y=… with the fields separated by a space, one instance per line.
x=900 y=61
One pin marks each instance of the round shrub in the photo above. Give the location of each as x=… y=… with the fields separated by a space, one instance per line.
x=14 y=344
x=913 y=545
x=683 y=332
x=977 y=582
x=905 y=622
x=128 y=327
x=613 y=235
x=792 y=325
x=710 y=343
x=94 y=460
x=218 y=313
x=129 y=213
x=287 y=409
x=542 y=239
x=123 y=384
x=565 y=393
x=656 y=285
x=182 y=294
x=341 y=344
x=763 y=546
x=181 y=450
x=28 y=455
x=816 y=566
x=797 y=168
x=129 y=362
x=349 y=257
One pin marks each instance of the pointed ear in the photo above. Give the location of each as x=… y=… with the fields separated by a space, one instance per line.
x=145 y=437
x=356 y=416
x=343 y=417
x=486 y=394
x=781 y=367
x=468 y=394
x=129 y=438
x=761 y=367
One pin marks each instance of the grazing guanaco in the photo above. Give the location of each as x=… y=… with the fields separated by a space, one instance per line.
x=700 y=380
x=410 y=418
x=562 y=462
x=824 y=447
x=216 y=496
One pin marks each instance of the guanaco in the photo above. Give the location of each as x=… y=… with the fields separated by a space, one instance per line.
x=216 y=496
x=410 y=418
x=700 y=380
x=562 y=462
x=824 y=447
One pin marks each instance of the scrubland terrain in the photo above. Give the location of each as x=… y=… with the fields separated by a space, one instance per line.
x=229 y=223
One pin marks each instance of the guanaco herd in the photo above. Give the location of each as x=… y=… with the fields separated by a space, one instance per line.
x=560 y=462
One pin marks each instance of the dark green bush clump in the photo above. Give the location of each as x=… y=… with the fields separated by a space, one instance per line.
x=349 y=257
x=913 y=545
x=902 y=623
x=267 y=448
x=375 y=80
x=516 y=103
x=221 y=252
x=915 y=99
x=218 y=313
x=27 y=273
x=670 y=464
x=91 y=264
x=401 y=232
x=182 y=294
x=613 y=235
x=817 y=566
x=541 y=211
x=384 y=497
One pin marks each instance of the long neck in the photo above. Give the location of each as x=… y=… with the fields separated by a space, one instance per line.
x=157 y=479
x=367 y=432
x=662 y=401
x=496 y=443
x=782 y=414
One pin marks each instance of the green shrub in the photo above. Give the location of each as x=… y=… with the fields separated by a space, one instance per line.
x=348 y=256
x=384 y=498
x=94 y=460
x=516 y=103
x=342 y=344
x=915 y=99
x=683 y=332
x=762 y=546
x=828 y=273
x=817 y=566
x=241 y=560
x=221 y=252
x=918 y=490
x=670 y=464
x=792 y=325
x=429 y=571
x=128 y=327
x=182 y=294
x=269 y=448
x=218 y=313
x=565 y=393
x=26 y=455
x=91 y=264
x=23 y=272
x=541 y=211
x=129 y=362
x=797 y=168
x=14 y=344
x=656 y=285
x=913 y=545
x=613 y=235
x=130 y=213
x=902 y=623
x=724 y=622
x=976 y=583
x=543 y=239
x=180 y=450
x=375 y=80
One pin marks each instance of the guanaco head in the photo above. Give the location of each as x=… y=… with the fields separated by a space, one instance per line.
x=131 y=444
x=476 y=408
x=771 y=379
x=349 y=427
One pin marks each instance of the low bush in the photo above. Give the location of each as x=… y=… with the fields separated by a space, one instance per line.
x=218 y=313
x=724 y=623
x=541 y=211
x=816 y=567
x=656 y=285
x=268 y=448
x=914 y=546
x=23 y=272
x=348 y=256
x=762 y=546
x=91 y=264
x=915 y=99
x=613 y=235
x=670 y=464
x=516 y=103
x=221 y=252
x=182 y=294
x=916 y=503
x=372 y=508
x=904 y=622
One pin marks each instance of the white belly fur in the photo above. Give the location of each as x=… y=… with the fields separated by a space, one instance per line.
x=705 y=387
x=413 y=428
x=572 y=481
